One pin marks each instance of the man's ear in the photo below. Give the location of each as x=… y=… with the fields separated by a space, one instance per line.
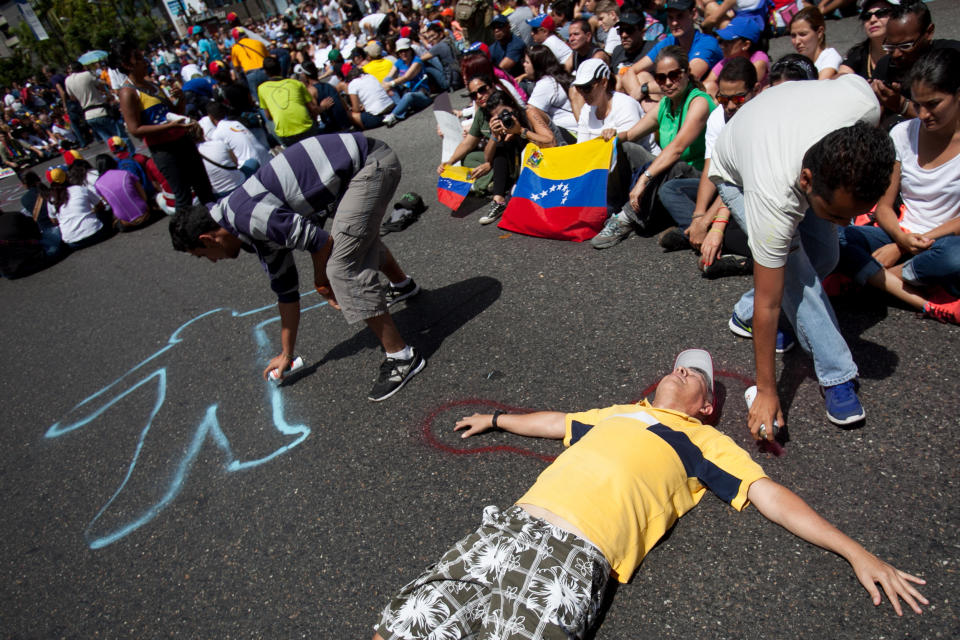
x=706 y=410
x=209 y=240
x=806 y=179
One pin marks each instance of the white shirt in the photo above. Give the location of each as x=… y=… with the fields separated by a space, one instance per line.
x=373 y=97
x=612 y=40
x=549 y=97
x=221 y=180
x=238 y=138
x=189 y=71
x=931 y=196
x=560 y=48
x=624 y=113
x=828 y=59
x=76 y=217
x=715 y=123
x=765 y=161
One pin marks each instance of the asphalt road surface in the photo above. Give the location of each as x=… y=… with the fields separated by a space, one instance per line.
x=156 y=486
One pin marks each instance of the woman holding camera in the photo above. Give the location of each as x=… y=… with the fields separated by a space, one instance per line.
x=501 y=120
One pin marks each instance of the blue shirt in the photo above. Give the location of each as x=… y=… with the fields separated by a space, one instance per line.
x=209 y=47
x=419 y=81
x=271 y=212
x=704 y=48
x=514 y=50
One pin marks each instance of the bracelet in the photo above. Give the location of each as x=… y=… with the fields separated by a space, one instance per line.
x=493 y=421
x=720 y=231
x=720 y=221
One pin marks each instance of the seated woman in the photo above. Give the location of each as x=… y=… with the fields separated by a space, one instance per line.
x=917 y=259
x=502 y=122
x=369 y=101
x=680 y=124
x=739 y=39
x=808 y=35
x=550 y=100
x=82 y=216
x=33 y=204
x=123 y=192
x=862 y=57
x=408 y=75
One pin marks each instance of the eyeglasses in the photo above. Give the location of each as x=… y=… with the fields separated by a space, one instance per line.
x=900 y=46
x=876 y=13
x=737 y=98
x=485 y=89
x=673 y=76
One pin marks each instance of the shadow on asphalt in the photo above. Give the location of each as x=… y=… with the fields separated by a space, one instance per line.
x=428 y=319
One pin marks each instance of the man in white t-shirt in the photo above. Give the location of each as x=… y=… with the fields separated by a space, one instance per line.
x=250 y=154
x=543 y=34
x=816 y=162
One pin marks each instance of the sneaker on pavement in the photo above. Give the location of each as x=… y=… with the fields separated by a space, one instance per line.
x=613 y=232
x=673 y=239
x=494 y=213
x=390 y=120
x=394 y=374
x=843 y=405
x=944 y=312
x=785 y=339
x=725 y=266
x=396 y=294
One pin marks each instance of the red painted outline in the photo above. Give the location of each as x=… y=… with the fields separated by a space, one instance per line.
x=426 y=426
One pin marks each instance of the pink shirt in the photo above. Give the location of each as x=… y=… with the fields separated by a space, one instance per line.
x=118 y=188
x=758 y=56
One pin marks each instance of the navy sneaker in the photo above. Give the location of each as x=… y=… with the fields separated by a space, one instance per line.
x=785 y=339
x=843 y=405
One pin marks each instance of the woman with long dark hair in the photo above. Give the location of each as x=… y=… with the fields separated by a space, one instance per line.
x=83 y=219
x=550 y=98
x=145 y=111
x=913 y=253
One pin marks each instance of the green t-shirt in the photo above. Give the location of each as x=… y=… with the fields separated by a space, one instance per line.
x=286 y=100
x=671 y=121
x=480 y=128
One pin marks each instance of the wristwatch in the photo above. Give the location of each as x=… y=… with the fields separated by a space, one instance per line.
x=523 y=133
x=647 y=173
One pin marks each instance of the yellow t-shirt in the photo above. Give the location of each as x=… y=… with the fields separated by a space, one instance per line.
x=378 y=68
x=633 y=472
x=286 y=101
x=248 y=53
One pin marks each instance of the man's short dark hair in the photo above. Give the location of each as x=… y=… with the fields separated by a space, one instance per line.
x=76 y=67
x=858 y=158
x=793 y=66
x=913 y=8
x=739 y=70
x=271 y=66
x=216 y=110
x=188 y=224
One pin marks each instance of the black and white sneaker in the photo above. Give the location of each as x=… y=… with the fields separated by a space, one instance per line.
x=396 y=294
x=394 y=374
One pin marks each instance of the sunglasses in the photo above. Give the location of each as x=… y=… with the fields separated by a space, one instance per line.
x=902 y=46
x=737 y=98
x=673 y=76
x=876 y=13
x=628 y=28
x=485 y=89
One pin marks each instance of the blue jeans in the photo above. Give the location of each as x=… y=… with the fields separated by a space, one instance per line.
x=411 y=102
x=679 y=198
x=804 y=302
x=940 y=264
x=106 y=127
x=255 y=78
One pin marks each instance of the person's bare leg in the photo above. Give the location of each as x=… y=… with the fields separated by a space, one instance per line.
x=387 y=333
x=891 y=281
x=391 y=268
x=377 y=636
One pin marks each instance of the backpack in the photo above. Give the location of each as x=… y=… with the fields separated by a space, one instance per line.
x=470 y=9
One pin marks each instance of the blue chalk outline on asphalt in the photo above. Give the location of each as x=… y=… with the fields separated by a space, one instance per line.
x=208 y=426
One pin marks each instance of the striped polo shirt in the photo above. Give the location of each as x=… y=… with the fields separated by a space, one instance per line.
x=273 y=211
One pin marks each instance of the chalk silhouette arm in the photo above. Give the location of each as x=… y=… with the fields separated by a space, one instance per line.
x=541 y=424
x=784 y=507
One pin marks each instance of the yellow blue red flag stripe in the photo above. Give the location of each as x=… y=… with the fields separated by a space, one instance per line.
x=453 y=186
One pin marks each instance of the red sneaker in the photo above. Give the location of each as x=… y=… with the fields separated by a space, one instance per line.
x=947 y=312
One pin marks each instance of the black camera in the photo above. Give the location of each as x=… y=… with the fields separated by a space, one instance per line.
x=507 y=119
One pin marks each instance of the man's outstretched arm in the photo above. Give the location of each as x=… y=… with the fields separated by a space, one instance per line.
x=541 y=424
x=780 y=505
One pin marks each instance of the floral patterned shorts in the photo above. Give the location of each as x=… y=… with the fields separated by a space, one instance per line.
x=515 y=577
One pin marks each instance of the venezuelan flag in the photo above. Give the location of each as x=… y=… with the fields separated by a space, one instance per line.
x=561 y=192
x=453 y=186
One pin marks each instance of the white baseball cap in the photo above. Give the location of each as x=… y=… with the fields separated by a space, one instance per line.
x=590 y=70
x=402 y=44
x=697 y=359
